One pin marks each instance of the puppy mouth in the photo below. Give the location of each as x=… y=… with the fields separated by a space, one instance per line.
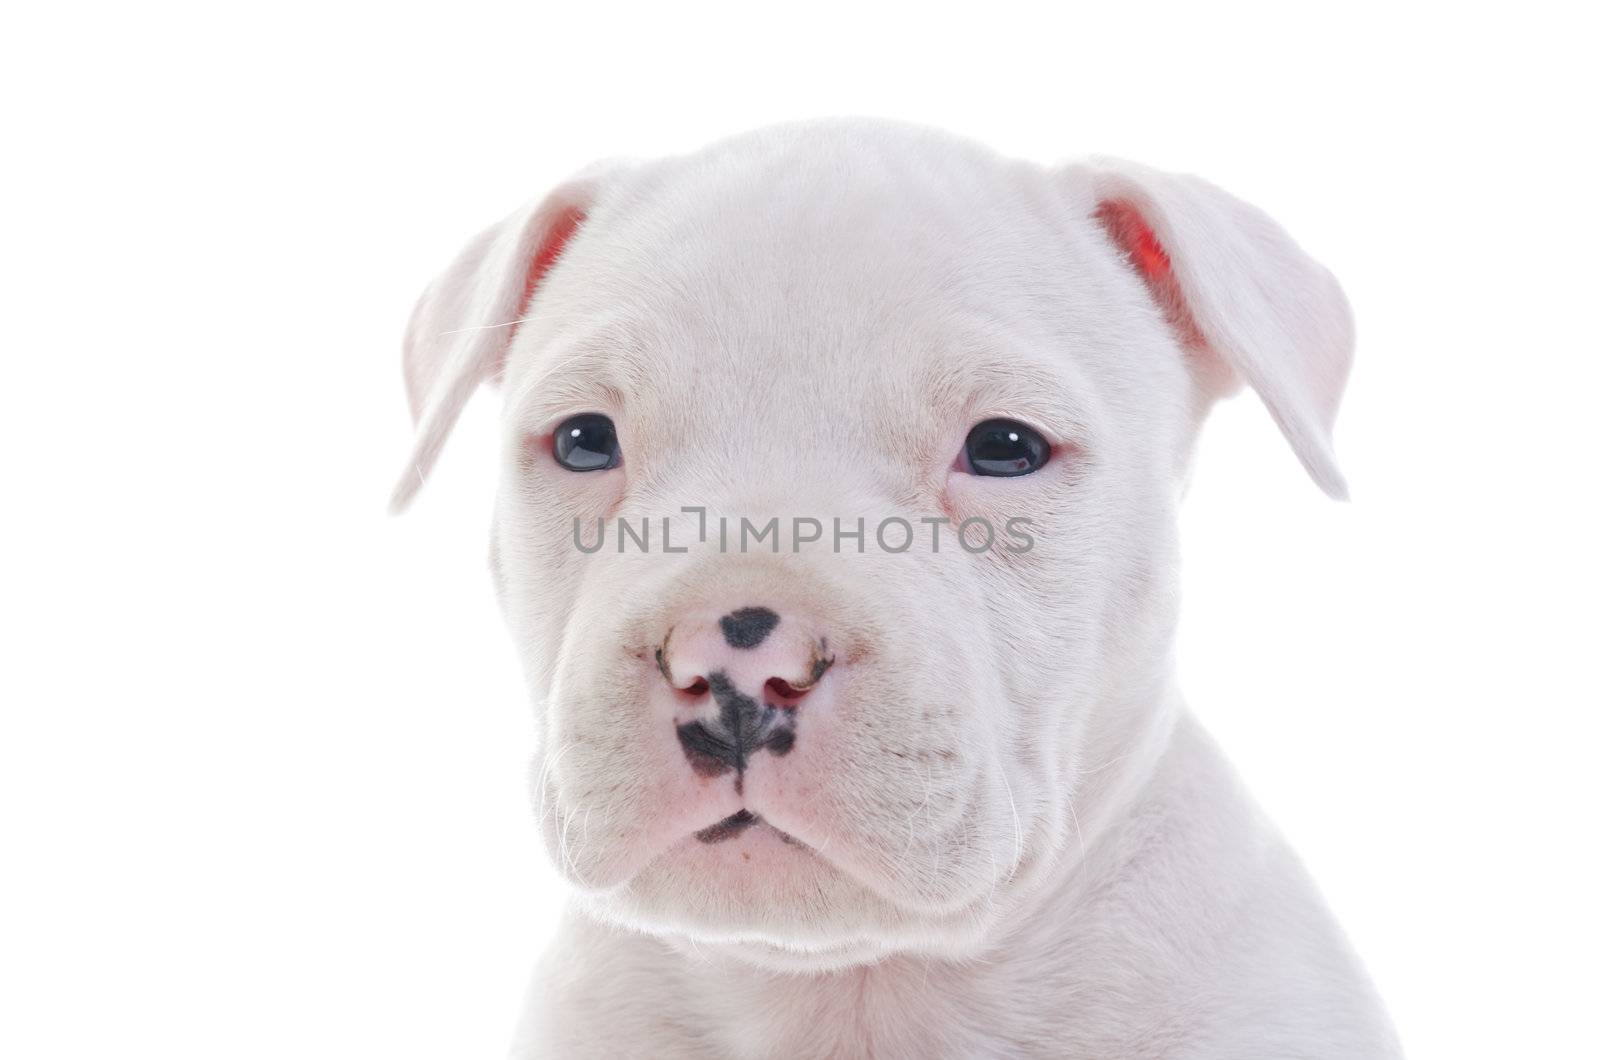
x=735 y=824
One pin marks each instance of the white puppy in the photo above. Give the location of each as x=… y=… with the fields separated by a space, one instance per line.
x=860 y=738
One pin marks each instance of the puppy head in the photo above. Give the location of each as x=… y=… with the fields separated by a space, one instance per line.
x=838 y=497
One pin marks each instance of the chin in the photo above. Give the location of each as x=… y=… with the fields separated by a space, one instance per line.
x=772 y=900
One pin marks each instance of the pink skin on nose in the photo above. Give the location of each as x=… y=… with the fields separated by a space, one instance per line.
x=737 y=680
x=782 y=652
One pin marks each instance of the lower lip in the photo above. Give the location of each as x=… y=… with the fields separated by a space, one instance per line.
x=728 y=827
x=735 y=825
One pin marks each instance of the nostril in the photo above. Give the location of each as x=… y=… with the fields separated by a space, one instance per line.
x=783 y=692
x=699 y=686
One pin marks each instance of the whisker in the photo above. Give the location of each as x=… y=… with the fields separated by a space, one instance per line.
x=1016 y=825
x=544 y=776
x=485 y=327
x=911 y=822
x=1107 y=764
x=1077 y=830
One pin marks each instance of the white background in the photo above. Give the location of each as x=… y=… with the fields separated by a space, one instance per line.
x=262 y=770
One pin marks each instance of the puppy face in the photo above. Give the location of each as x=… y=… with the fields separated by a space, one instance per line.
x=896 y=428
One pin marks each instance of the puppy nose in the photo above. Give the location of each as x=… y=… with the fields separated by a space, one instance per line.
x=740 y=679
x=749 y=649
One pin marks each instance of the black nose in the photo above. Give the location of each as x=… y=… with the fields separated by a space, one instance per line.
x=737 y=683
x=742 y=728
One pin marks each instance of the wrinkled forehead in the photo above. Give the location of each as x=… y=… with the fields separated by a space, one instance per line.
x=799 y=304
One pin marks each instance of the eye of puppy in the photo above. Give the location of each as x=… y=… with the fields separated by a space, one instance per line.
x=587 y=443
x=1004 y=449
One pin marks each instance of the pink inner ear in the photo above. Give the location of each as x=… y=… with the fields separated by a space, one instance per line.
x=561 y=228
x=555 y=241
x=1138 y=241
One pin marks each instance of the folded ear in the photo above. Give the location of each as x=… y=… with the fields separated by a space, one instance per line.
x=1248 y=304
x=465 y=321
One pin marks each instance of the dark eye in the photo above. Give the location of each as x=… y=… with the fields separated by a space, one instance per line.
x=587 y=443
x=1005 y=448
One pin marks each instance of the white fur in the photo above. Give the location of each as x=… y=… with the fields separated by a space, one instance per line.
x=1014 y=840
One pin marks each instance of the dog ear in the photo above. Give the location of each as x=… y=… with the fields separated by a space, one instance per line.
x=463 y=325
x=1245 y=301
